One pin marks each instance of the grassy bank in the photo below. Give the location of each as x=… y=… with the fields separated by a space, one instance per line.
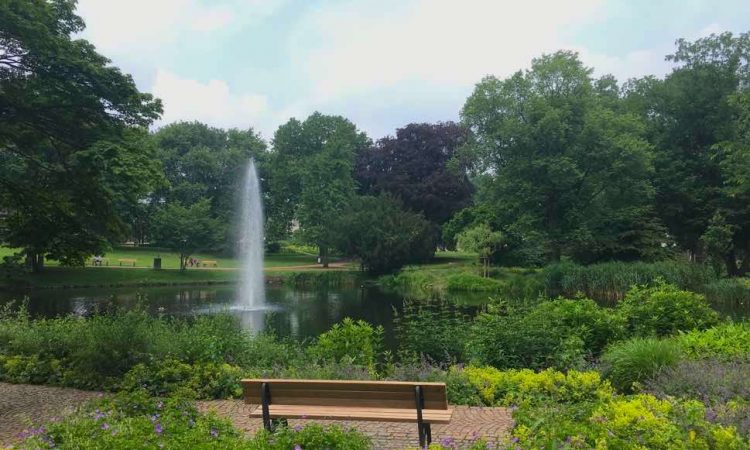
x=607 y=282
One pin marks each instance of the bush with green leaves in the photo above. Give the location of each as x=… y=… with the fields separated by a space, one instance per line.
x=634 y=361
x=434 y=329
x=559 y=333
x=623 y=422
x=664 y=310
x=728 y=342
x=355 y=341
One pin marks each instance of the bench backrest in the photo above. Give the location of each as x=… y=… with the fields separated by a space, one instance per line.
x=374 y=394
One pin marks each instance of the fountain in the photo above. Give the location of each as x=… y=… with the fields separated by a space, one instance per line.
x=251 y=296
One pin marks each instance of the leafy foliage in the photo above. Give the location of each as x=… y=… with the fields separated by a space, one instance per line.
x=383 y=235
x=664 y=310
x=357 y=342
x=73 y=153
x=186 y=229
x=419 y=166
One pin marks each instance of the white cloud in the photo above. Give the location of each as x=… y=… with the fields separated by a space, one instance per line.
x=212 y=102
x=439 y=41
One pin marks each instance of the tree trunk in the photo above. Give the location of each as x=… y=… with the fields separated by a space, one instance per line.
x=324 y=256
x=35 y=261
x=183 y=259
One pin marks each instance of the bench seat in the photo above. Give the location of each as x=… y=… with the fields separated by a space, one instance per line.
x=353 y=413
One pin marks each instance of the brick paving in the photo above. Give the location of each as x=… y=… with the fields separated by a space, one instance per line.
x=22 y=406
x=467 y=425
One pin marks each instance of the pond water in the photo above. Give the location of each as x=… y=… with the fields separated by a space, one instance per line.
x=291 y=312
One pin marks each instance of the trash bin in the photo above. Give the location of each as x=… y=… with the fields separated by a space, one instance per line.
x=157 y=263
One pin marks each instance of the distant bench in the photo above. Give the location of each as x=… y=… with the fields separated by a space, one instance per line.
x=378 y=401
x=127 y=261
x=206 y=263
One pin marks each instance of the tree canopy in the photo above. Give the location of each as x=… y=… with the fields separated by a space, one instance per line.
x=71 y=148
x=419 y=166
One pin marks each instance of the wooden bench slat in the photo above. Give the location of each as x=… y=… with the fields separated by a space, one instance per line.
x=353 y=413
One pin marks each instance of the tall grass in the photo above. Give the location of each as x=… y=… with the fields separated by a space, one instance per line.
x=611 y=281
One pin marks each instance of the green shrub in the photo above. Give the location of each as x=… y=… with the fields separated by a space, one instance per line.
x=202 y=380
x=633 y=422
x=435 y=329
x=312 y=437
x=525 y=387
x=727 y=341
x=634 y=361
x=30 y=369
x=468 y=282
x=664 y=310
x=354 y=341
x=558 y=334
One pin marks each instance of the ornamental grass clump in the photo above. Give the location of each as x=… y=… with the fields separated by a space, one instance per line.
x=634 y=361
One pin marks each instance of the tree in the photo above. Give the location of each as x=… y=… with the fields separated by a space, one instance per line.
x=562 y=166
x=70 y=145
x=483 y=241
x=186 y=229
x=419 y=166
x=697 y=120
x=202 y=162
x=383 y=235
x=311 y=176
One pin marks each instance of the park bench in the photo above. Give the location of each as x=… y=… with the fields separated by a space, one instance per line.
x=127 y=261
x=379 y=401
x=207 y=263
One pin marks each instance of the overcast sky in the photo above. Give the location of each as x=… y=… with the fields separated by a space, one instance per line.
x=380 y=63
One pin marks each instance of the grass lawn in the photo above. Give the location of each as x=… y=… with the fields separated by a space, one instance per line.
x=171 y=260
x=141 y=274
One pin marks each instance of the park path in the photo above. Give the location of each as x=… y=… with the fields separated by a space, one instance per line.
x=24 y=406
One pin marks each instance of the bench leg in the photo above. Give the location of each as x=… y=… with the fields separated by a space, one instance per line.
x=425 y=435
x=265 y=395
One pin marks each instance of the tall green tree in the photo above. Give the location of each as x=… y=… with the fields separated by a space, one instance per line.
x=186 y=229
x=564 y=165
x=311 y=177
x=383 y=235
x=420 y=166
x=69 y=143
x=697 y=120
x=207 y=163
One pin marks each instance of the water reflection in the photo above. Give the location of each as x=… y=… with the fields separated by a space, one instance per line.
x=295 y=313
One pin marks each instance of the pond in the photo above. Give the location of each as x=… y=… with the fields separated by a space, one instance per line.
x=291 y=312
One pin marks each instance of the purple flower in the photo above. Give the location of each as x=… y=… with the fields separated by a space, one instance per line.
x=105 y=426
x=297 y=447
x=158 y=428
x=154 y=418
x=214 y=432
x=298 y=428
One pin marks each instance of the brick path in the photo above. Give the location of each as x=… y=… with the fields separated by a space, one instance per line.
x=23 y=405
x=467 y=424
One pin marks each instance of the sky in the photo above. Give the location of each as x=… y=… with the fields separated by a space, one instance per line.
x=380 y=63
